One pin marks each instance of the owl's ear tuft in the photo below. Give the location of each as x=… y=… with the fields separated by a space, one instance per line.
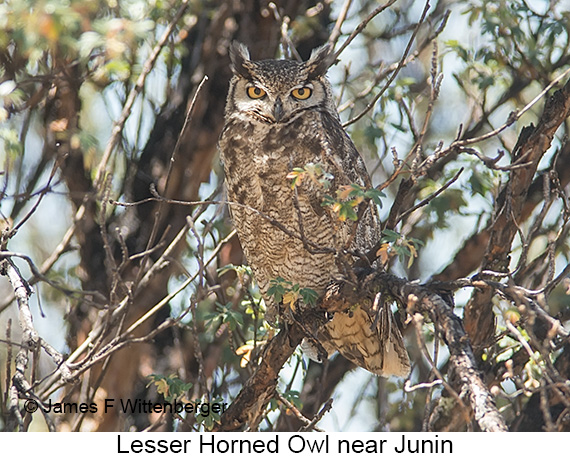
x=239 y=56
x=320 y=61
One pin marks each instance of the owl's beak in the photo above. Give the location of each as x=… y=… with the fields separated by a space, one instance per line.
x=278 y=110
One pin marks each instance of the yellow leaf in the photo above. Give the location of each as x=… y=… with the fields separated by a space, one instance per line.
x=290 y=298
x=344 y=192
x=162 y=387
x=531 y=383
x=512 y=315
x=59 y=125
x=412 y=249
x=413 y=255
x=383 y=253
x=245 y=352
x=296 y=177
x=244 y=349
x=48 y=28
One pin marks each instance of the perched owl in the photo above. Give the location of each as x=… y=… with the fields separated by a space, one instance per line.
x=284 y=151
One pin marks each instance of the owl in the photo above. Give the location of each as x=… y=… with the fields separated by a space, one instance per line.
x=285 y=155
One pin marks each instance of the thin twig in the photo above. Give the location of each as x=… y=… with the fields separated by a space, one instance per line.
x=422 y=385
x=298 y=414
x=159 y=212
x=136 y=90
x=418 y=323
x=428 y=199
x=360 y=27
x=335 y=33
x=289 y=49
x=372 y=103
x=325 y=409
x=513 y=116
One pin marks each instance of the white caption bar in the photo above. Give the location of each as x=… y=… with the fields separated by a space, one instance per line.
x=283 y=444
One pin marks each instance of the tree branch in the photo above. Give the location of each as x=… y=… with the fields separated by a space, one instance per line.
x=249 y=406
x=532 y=145
x=429 y=300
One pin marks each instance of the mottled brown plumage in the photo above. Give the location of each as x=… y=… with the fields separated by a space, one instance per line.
x=280 y=115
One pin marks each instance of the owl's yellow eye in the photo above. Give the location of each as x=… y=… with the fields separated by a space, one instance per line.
x=255 y=92
x=302 y=93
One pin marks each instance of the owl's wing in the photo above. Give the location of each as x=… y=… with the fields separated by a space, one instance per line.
x=374 y=345
x=340 y=150
x=346 y=164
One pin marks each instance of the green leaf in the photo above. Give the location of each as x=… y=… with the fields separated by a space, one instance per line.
x=347 y=212
x=278 y=287
x=12 y=144
x=171 y=387
x=309 y=296
x=375 y=195
x=390 y=235
x=294 y=397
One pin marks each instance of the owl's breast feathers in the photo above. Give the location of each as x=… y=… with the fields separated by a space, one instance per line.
x=257 y=159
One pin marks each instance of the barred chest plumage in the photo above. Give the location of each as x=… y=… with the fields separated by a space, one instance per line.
x=274 y=216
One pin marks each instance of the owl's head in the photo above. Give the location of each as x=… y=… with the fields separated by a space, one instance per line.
x=278 y=91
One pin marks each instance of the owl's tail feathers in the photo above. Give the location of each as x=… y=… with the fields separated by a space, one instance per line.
x=377 y=348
